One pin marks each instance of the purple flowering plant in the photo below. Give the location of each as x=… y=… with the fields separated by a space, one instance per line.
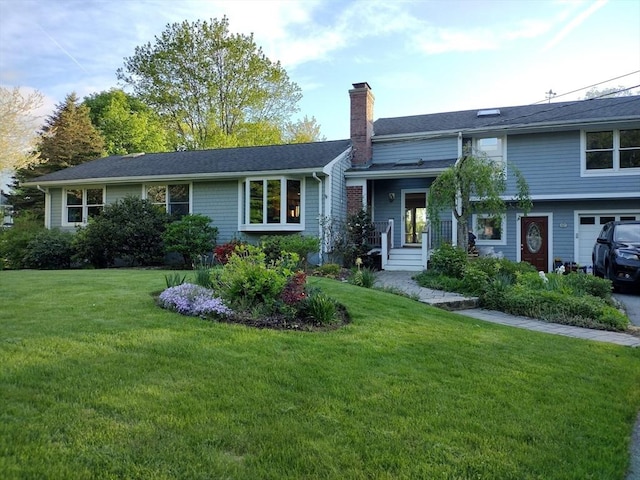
x=190 y=299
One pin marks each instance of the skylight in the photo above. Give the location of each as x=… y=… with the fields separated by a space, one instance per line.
x=490 y=112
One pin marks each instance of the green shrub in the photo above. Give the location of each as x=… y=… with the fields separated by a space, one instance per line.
x=449 y=260
x=362 y=277
x=474 y=280
x=321 y=308
x=438 y=281
x=329 y=270
x=588 y=285
x=130 y=230
x=350 y=240
x=248 y=281
x=191 y=236
x=49 y=250
x=557 y=307
x=301 y=245
x=14 y=240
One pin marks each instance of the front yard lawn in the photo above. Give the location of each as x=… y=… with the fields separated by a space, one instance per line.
x=96 y=381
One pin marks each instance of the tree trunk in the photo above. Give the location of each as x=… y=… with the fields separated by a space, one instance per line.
x=463 y=235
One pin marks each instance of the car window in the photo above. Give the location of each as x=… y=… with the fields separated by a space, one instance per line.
x=603 y=232
x=627 y=233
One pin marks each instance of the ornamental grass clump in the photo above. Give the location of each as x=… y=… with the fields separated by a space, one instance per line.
x=193 y=300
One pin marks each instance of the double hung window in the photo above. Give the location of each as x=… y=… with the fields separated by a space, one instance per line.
x=611 y=152
x=80 y=204
x=174 y=199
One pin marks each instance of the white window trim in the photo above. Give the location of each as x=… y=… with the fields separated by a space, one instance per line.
x=146 y=187
x=85 y=215
x=503 y=141
x=503 y=230
x=604 y=172
x=245 y=213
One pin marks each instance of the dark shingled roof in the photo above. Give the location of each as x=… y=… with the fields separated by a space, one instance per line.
x=302 y=156
x=603 y=109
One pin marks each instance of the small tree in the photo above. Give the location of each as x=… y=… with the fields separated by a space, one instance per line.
x=474 y=185
x=191 y=236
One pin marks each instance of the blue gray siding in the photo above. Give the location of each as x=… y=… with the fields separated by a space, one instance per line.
x=339 y=189
x=384 y=210
x=550 y=162
x=219 y=202
x=117 y=192
x=562 y=226
x=430 y=149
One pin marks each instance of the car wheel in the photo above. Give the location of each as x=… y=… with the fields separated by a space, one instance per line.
x=611 y=277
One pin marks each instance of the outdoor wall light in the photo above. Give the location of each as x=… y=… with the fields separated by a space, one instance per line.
x=392 y=196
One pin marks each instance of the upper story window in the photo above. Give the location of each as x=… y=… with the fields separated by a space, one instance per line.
x=174 y=199
x=80 y=204
x=272 y=204
x=493 y=148
x=611 y=152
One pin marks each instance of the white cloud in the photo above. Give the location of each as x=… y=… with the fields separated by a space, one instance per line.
x=575 y=23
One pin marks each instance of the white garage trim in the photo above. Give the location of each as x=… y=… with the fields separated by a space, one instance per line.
x=594 y=213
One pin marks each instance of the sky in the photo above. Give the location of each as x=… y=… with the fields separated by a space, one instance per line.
x=418 y=56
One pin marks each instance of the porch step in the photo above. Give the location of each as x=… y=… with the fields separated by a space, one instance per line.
x=405 y=259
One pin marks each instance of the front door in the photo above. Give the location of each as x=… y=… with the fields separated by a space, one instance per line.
x=415 y=217
x=534 y=243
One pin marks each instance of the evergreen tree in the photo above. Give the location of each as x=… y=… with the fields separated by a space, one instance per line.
x=68 y=138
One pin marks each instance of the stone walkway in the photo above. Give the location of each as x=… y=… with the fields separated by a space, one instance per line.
x=469 y=307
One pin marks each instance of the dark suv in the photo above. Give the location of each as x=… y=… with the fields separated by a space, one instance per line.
x=616 y=254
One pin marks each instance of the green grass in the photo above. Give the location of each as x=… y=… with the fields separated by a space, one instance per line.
x=97 y=382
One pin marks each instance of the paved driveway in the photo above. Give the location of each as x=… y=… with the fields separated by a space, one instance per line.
x=631 y=302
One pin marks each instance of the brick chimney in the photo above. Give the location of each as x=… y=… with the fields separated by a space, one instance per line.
x=361 y=123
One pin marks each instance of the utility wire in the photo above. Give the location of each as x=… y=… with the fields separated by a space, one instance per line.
x=590 y=86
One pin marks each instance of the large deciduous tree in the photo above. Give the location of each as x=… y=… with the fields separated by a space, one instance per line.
x=474 y=184
x=126 y=123
x=18 y=130
x=68 y=138
x=213 y=86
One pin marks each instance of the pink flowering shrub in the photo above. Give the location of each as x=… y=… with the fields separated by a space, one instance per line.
x=189 y=299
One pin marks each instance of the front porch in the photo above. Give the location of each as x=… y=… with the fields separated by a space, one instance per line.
x=411 y=257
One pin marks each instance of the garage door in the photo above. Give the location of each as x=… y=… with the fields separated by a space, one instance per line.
x=589 y=227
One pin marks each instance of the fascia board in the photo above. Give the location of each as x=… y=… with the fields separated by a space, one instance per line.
x=182 y=178
x=506 y=128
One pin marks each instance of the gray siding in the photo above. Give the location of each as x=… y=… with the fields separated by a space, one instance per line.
x=339 y=189
x=431 y=149
x=219 y=202
x=56 y=209
x=117 y=192
x=562 y=226
x=550 y=163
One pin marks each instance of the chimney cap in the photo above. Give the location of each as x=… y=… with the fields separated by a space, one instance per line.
x=361 y=85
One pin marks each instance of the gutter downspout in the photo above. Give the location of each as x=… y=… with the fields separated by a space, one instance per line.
x=47 y=206
x=319 y=180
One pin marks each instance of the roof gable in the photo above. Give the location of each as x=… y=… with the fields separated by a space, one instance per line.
x=201 y=163
x=583 y=111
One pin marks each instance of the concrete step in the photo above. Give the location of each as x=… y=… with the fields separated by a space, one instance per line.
x=405 y=259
